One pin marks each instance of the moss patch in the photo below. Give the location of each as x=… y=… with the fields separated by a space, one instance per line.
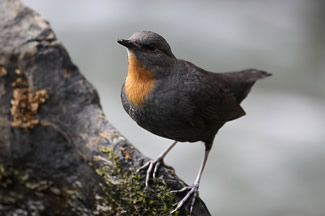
x=126 y=190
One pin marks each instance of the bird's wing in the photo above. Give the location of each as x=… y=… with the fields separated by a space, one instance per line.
x=220 y=107
x=212 y=100
x=229 y=108
x=215 y=102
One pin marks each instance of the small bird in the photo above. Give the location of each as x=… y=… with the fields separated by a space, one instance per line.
x=175 y=99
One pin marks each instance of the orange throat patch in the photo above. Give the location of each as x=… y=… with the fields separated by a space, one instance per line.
x=139 y=82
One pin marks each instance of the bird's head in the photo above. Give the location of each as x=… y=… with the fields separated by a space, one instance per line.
x=150 y=49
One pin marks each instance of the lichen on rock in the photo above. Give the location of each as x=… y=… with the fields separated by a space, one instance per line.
x=25 y=104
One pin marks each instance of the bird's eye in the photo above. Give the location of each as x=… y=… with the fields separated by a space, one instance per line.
x=151 y=47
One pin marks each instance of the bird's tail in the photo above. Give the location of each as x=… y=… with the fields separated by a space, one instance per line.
x=242 y=81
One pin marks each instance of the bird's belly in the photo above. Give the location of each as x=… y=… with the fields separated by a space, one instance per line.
x=166 y=123
x=170 y=117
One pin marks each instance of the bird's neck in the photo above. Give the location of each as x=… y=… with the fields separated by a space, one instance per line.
x=139 y=81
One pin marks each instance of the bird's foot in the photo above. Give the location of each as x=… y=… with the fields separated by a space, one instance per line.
x=152 y=168
x=193 y=191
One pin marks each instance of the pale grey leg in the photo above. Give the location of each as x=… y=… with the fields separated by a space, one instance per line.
x=153 y=165
x=193 y=189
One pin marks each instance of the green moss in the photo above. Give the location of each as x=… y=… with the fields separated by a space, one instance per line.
x=125 y=188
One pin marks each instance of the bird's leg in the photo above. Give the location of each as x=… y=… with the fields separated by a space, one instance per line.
x=153 y=165
x=194 y=188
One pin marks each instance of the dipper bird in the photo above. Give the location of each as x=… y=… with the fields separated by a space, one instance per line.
x=174 y=98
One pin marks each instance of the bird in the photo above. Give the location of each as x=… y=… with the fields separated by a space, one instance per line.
x=178 y=100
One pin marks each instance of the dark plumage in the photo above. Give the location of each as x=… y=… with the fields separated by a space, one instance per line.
x=183 y=102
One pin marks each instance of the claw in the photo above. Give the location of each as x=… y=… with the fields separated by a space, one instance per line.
x=182 y=190
x=153 y=166
x=193 y=192
x=155 y=170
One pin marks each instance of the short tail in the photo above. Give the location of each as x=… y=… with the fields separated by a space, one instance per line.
x=242 y=81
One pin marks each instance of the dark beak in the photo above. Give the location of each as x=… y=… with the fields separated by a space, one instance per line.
x=126 y=43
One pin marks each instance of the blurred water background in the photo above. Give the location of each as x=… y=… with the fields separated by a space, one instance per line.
x=270 y=162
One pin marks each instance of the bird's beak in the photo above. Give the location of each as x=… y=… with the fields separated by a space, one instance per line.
x=126 y=43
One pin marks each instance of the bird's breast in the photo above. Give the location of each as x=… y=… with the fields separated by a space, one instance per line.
x=139 y=82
